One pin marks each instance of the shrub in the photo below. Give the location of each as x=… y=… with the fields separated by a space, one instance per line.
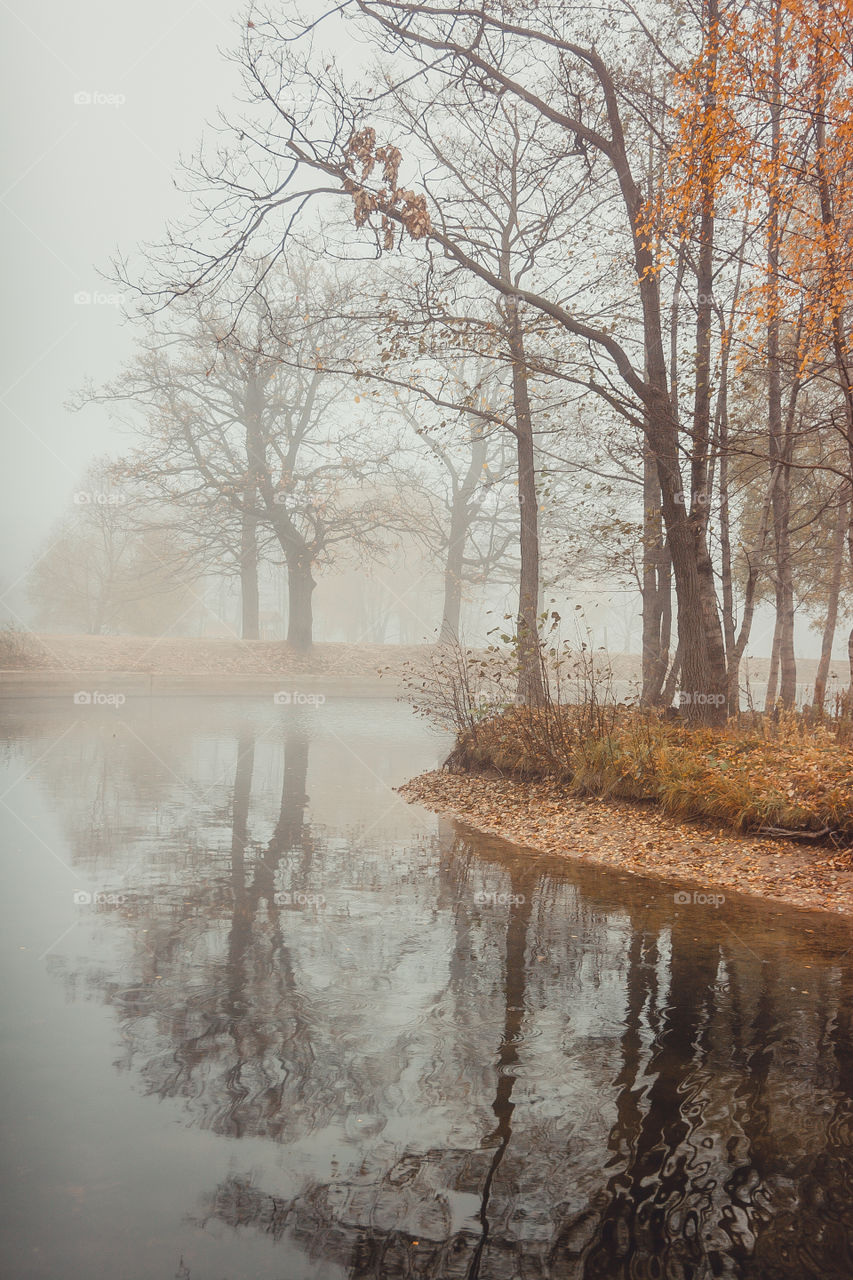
x=17 y=650
x=783 y=772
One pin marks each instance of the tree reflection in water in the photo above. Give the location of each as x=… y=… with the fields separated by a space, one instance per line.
x=585 y=1081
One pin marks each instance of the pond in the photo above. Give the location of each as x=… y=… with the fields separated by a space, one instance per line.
x=262 y=1018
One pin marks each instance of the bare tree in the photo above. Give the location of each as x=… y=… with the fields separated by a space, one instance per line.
x=245 y=422
x=112 y=564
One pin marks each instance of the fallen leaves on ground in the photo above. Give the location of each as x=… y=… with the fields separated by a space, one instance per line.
x=640 y=839
x=188 y=655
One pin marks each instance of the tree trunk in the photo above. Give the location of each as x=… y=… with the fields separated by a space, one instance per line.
x=253 y=409
x=704 y=687
x=671 y=684
x=778 y=450
x=656 y=589
x=837 y=282
x=773 y=673
x=531 y=689
x=300 y=586
x=703 y=657
x=249 y=596
x=838 y=553
x=453 y=570
x=784 y=567
x=726 y=566
x=700 y=635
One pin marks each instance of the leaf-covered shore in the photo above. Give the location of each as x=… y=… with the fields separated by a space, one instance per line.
x=641 y=839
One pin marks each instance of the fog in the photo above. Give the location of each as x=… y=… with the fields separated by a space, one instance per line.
x=103 y=102
x=82 y=180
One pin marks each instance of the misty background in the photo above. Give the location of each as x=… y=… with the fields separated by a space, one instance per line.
x=81 y=181
x=103 y=102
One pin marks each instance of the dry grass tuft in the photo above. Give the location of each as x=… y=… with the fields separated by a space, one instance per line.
x=783 y=774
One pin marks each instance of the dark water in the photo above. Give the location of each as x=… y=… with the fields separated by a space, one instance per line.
x=441 y=1057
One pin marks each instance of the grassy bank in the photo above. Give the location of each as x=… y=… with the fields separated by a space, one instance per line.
x=763 y=775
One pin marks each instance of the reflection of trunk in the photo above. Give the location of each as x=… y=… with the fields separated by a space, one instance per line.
x=240 y=810
x=641 y=988
x=514 y=991
x=241 y=925
x=831 y=606
x=300 y=585
x=249 y=576
x=530 y=685
x=651 y=1174
x=752 y=1110
x=290 y=831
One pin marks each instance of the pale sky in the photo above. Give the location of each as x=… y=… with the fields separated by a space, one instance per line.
x=82 y=179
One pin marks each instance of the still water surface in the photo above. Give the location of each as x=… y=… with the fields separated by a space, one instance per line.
x=264 y=1019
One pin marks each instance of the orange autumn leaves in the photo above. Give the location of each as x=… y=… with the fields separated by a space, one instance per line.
x=764 y=142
